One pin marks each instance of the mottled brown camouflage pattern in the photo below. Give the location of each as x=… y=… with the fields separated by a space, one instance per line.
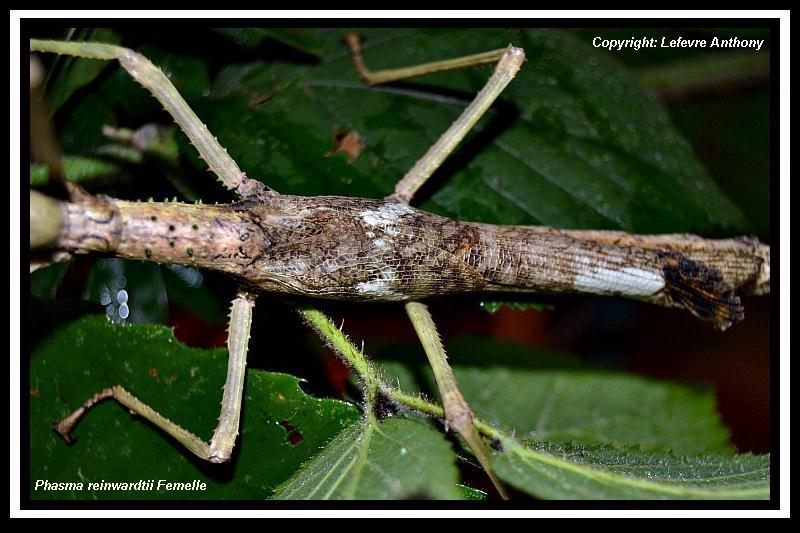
x=372 y=250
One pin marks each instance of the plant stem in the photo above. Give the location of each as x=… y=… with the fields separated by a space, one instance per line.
x=338 y=341
x=354 y=357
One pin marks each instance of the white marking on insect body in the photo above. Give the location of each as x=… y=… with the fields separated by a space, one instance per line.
x=376 y=287
x=386 y=214
x=626 y=281
x=382 y=286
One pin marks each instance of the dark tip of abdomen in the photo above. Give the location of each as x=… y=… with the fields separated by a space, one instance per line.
x=700 y=289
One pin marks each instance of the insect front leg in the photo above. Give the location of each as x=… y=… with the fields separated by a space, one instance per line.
x=152 y=79
x=220 y=447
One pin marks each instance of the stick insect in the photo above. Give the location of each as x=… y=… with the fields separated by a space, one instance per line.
x=358 y=249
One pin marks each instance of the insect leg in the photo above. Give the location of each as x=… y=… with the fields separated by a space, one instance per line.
x=388 y=75
x=152 y=79
x=509 y=61
x=224 y=438
x=219 y=449
x=458 y=415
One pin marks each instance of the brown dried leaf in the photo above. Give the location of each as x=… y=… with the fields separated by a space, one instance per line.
x=350 y=143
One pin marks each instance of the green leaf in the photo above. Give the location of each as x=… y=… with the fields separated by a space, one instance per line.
x=298 y=38
x=182 y=383
x=76 y=169
x=470 y=493
x=523 y=391
x=593 y=433
x=50 y=314
x=563 y=472
x=575 y=140
x=597 y=407
x=391 y=459
x=740 y=160
x=46 y=280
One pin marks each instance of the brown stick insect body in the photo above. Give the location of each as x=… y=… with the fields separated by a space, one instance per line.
x=359 y=249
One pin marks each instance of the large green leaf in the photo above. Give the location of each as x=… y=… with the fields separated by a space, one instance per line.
x=575 y=472
x=524 y=391
x=282 y=427
x=569 y=432
x=391 y=459
x=597 y=407
x=575 y=140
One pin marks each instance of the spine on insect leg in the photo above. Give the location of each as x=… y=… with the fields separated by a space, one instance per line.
x=205 y=236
